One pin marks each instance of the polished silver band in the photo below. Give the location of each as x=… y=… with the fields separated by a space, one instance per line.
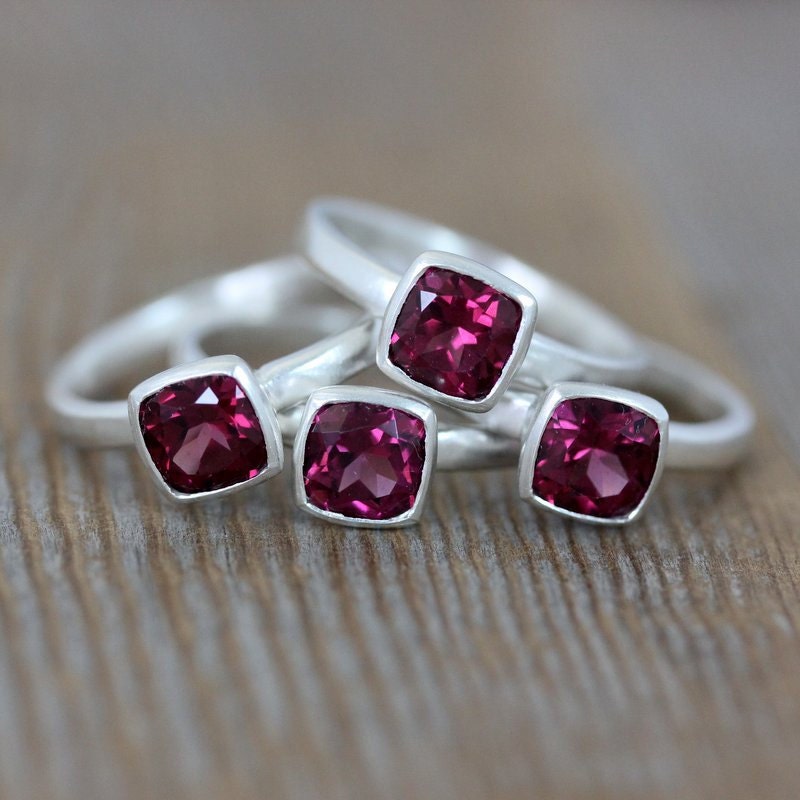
x=718 y=440
x=281 y=294
x=725 y=433
x=289 y=380
x=260 y=296
x=261 y=291
x=362 y=249
x=511 y=432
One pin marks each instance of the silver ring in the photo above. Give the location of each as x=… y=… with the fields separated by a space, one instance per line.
x=115 y=349
x=718 y=441
x=637 y=442
x=293 y=378
x=595 y=453
x=405 y=270
x=108 y=354
x=248 y=399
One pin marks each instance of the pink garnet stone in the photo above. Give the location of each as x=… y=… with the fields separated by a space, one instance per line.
x=455 y=333
x=364 y=460
x=203 y=434
x=596 y=457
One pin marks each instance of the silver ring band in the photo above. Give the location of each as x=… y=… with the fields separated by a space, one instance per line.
x=362 y=249
x=259 y=294
x=719 y=438
x=177 y=323
x=289 y=380
x=493 y=439
x=259 y=291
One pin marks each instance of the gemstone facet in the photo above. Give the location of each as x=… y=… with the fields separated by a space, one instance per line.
x=203 y=434
x=364 y=460
x=596 y=457
x=455 y=333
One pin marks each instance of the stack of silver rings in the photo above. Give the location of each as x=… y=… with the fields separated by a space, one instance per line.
x=516 y=367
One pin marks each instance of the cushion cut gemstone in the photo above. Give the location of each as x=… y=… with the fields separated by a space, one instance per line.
x=364 y=460
x=596 y=457
x=455 y=333
x=203 y=434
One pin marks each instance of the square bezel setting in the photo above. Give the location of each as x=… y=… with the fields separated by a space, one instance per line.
x=228 y=411
x=459 y=346
x=593 y=453
x=385 y=454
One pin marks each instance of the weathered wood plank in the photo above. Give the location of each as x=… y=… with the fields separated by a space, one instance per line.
x=243 y=650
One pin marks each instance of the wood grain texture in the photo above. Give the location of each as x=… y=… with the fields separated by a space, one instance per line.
x=243 y=650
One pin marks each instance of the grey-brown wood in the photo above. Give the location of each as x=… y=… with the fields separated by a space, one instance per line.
x=242 y=650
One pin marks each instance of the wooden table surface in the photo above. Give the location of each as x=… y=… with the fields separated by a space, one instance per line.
x=243 y=650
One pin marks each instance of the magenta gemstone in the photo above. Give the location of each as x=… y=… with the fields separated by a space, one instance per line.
x=455 y=333
x=596 y=457
x=364 y=460
x=203 y=434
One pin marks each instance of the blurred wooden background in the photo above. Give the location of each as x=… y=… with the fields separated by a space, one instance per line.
x=646 y=152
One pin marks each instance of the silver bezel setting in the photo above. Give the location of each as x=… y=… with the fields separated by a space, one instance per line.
x=236 y=368
x=540 y=416
x=465 y=266
x=361 y=394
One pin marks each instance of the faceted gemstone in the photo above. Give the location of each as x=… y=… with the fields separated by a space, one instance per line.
x=364 y=460
x=455 y=333
x=203 y=434
x=596 y=457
